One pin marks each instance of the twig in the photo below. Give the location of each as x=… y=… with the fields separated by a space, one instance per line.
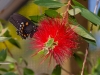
x=65 y=18
x=84 y=62
x=17 y=67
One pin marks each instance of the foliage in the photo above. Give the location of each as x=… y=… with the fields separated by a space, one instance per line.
x=52 y=7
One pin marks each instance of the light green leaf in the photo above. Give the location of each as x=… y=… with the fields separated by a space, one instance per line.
x=11 y=67
x=3 y=31
x=49 y=3
x=10 y=59
x=50 y=42
x=80 y=52
x=2 y=39
x=82 y=32
x=74 y=11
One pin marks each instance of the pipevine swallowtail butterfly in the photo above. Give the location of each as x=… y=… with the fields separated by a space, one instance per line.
x=25 y=27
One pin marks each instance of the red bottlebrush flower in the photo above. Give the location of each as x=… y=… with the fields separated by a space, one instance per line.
x=55 y=39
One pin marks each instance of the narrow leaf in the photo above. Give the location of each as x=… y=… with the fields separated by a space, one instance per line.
x=84 y=33
x=78 y=60
x=49 y=3
x=10 y=59
x=1 y=27
x=36 y=18
x=12 y=40
x=79 y=52
x=79 y=29
x=76 y=3
x=3 y=31
x=15 y=43
x=74 y=11
x=2 y=39
x=52 y=13
x=57 y=70
x=28 y=71
x=90 y=16
x=10 y=73
x=3 y=70
x=3 y=55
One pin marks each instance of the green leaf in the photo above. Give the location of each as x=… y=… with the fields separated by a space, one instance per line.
x=26 y=63
x=1 y=27
x=93 y=42
x=12 y=40
x=3 y=70
x=11 y=67
x=3 y=55
x=49 y=3
x=3 y=31
x=10 y=73
x=78 y=60
x=28 y=71
x=2 y=39
x=10 y=59
x=84 y=33
x=96 y=68
x=74 y=11
x=57 y=70
x=23 y=60
x=36 y=19
x=90 y=16
x=50 y=42
x=76 y=3
x=80 y=52
x=43 y=52
x=52 y=13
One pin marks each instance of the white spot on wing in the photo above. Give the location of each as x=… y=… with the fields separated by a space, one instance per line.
x=22 y=22
x=20 y=25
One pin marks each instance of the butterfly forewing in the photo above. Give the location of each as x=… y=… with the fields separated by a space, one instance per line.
x=24 y=26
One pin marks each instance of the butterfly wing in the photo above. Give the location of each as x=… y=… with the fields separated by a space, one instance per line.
x=24 y=26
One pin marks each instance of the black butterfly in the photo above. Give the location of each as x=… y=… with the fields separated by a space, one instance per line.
x=24 y=26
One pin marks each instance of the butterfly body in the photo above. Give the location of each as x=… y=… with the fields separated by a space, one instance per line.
x=24 y=26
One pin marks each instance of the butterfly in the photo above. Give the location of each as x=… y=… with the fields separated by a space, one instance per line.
x=25 y=27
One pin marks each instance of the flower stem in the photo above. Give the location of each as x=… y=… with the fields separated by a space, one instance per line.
x=16 y=64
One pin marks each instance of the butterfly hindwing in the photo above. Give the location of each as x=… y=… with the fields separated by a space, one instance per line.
x=24 y=26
